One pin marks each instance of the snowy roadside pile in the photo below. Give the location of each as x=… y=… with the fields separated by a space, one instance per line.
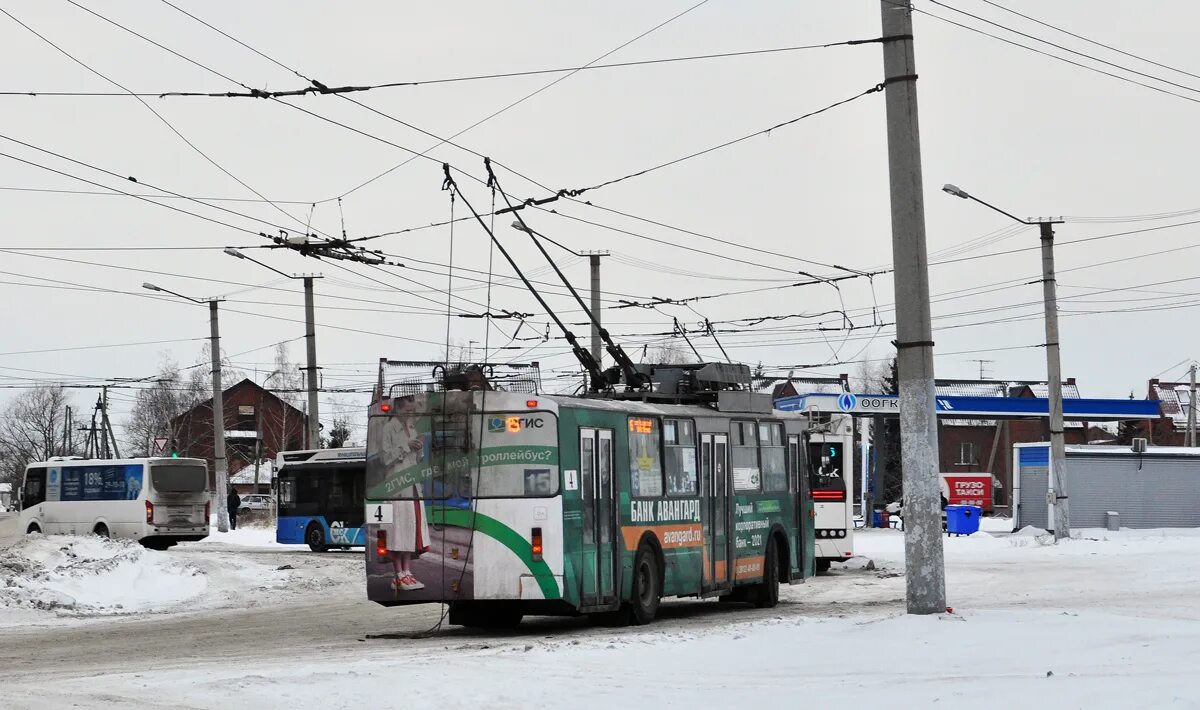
x=243 y=536
x=88 y=575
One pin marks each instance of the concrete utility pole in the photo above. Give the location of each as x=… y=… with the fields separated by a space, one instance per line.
x=218 y=405
x=310 y=341
x=925 y=577
x=1058 y=444
x=313 y=433
x=597 y=347
x=1191 y=430
x=1057 y=493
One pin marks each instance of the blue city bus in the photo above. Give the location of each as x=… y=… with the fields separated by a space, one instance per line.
x=319 y=496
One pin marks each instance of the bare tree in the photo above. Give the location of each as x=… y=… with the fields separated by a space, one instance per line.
x=32 y=428
x=667 y=354
x=156 y=408
x=285 y=381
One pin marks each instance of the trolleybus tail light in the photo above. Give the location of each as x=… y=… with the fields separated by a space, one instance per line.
x=829 y=496
x=385 y=407
x=531 y=403
x=149 y=512
x=536 y=544
x=381 y=543
x=207 y=511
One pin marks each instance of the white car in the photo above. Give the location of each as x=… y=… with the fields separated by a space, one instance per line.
x=256 y=501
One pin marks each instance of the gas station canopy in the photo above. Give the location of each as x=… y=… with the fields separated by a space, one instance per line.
x=866 y=405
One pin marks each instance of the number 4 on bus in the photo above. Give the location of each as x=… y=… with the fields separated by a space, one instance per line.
x=379 y=513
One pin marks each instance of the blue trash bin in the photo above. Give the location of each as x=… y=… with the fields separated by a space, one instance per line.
x=962 y=519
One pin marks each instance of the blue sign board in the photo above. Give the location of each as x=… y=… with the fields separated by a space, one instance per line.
x=975 y=407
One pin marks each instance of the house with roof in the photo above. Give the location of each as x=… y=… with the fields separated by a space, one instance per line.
x=1174 y=399
x=790 y=386
x=258 y=425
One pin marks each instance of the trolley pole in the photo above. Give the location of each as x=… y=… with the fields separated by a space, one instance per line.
x=925 y=577
x=218 y=405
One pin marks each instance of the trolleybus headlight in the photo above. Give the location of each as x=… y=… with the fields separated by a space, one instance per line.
x=536 y=544
x=381 y=544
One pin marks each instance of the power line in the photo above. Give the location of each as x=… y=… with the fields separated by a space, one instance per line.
x=1092 y=41
x=523 y=99
x=645 y=171
x=10 y=188
x=100 y=347
x=159 y=116
x=1047 y=54
x=1065 y=49
x=321 y=89
x=443 y=141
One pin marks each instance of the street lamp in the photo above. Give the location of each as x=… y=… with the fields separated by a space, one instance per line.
x=1058 y=449
x=218 y=406
x=310 y=338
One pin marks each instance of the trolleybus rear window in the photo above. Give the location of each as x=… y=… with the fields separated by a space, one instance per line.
x=825 y=471
x=456 y=459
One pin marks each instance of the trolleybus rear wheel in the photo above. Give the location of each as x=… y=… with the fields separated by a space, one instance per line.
x=315 y=537
x=33 y=528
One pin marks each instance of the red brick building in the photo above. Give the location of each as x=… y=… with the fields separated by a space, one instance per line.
x=258 y=424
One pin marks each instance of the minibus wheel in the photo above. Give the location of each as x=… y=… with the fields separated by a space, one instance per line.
x=101 y=530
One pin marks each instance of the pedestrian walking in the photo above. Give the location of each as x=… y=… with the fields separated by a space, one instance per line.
x=233 y=503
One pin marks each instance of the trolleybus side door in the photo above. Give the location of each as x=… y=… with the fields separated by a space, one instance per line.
x=714 y=473
x=797 y=484
x=596 y=484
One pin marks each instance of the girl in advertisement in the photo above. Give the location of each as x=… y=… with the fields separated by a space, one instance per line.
x=409 y=536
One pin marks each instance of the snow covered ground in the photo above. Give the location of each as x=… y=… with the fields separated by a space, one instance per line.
x=1108 y=620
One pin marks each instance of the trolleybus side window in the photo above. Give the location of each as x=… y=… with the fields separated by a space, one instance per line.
x=743 y=455
x=679 y=452
x=35 y=488
x=774 y=466
x=645 y=459
x=794 y=462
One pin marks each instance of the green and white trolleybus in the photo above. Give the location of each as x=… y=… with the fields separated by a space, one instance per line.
x=505 y=502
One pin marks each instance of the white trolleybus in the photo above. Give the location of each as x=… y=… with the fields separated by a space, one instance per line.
x=831 y=480
x=156 y=501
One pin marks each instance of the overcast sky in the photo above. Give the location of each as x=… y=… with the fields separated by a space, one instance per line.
x=1031 y=134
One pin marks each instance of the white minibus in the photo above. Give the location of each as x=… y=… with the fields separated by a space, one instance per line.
x=156 y=501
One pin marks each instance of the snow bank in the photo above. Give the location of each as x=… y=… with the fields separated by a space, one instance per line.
x=244 y=537
x=88 y=575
